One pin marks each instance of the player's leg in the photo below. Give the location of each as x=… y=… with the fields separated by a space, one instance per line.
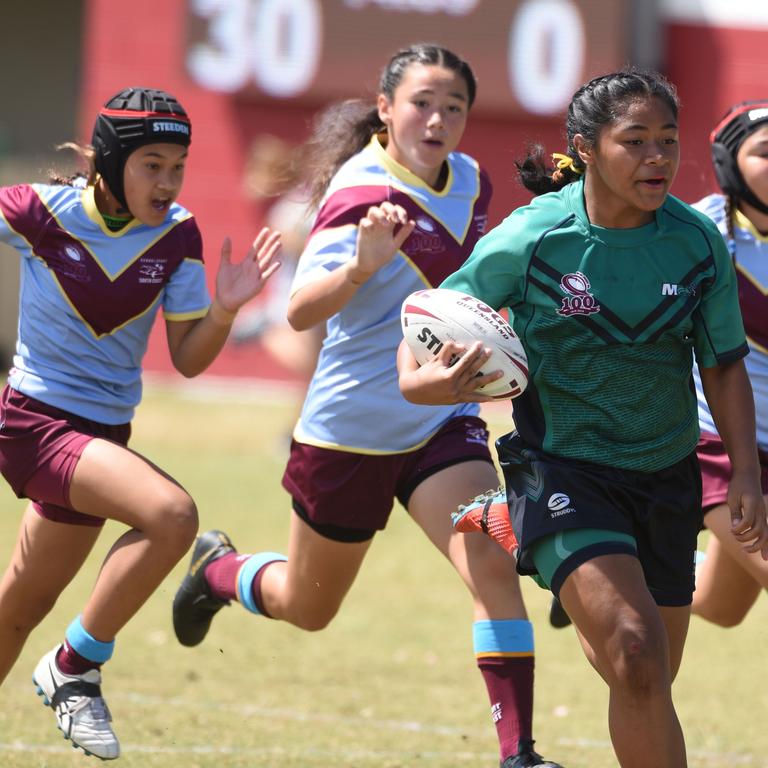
x=111 y=482
x=485 y=568
x=334 y=492
x=502 y=634
x=626 y=640
x=728 y=580
x=46 y=557
x=115 y=483
x=306 y=588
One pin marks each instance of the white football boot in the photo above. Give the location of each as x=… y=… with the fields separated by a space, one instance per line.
x=81 y=712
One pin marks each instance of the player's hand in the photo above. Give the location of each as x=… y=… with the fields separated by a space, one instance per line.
x=380 y=235
x=238 y=283
x=451 y=377
x=749 y=517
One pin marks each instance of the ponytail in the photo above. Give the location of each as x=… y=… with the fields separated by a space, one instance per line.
x=538 y=176
x=340 y=131
x=86 y=154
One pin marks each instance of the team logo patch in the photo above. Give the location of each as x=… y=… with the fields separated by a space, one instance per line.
x=425 y=224
x=70 y=264
x=152 y=272
x=477 y=435
x=579 y=301
x=559 y=504
x=424 y=239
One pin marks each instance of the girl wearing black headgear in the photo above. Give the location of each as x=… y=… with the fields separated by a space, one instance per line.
x=100 y=255
x=731 y=576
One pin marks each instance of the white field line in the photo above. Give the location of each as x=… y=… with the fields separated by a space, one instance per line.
x=703 y=758
x=327 y=755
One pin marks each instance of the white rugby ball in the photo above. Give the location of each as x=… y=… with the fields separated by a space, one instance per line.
x=434 y=316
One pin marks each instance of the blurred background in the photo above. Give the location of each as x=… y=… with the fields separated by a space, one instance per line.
x=250 y=70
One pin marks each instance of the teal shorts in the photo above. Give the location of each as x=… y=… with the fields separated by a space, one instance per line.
x=565 y=512
x=558 y=555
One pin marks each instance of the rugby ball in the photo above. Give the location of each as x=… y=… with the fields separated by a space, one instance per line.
x=434 y=316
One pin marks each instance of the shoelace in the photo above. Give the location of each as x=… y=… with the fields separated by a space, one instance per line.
x=98 y=707
x=491 y=493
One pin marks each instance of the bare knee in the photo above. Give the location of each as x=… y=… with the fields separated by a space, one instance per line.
x=638 y=660
x=175 y=522
x=487 y=561
x=491 y=576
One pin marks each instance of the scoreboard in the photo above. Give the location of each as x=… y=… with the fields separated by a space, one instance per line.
x=529 y=56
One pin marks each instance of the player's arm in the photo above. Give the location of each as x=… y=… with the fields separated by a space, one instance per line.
x=380 y=235
x=730 y=400
x=445 y=380
x=194 y=344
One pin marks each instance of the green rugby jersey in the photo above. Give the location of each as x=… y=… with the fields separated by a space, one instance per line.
x=610 y=319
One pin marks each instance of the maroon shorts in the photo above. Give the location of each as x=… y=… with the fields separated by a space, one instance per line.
x=349 y=496
x=39 y=449
x=716 y=470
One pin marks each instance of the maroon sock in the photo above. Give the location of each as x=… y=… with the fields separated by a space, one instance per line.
x=510 y=688
x=221 y=575
x=70 y=662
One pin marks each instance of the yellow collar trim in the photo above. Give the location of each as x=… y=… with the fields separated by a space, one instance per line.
x=406 y=176
x=92 y=211
x=742 y=222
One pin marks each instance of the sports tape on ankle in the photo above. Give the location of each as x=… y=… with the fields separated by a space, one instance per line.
x=81 y=641
x=247 y=574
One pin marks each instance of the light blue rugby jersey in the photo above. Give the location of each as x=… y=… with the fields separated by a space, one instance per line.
x=354 y=402
x=88 y=297
x=751 y=261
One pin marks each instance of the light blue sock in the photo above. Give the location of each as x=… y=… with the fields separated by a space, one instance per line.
x=82 y=642
x=502 y=637
x=247 y=574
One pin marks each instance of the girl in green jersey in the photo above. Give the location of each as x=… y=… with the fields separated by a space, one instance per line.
x=613 y=285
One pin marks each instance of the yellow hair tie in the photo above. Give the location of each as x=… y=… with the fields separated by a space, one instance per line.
x=565 y=161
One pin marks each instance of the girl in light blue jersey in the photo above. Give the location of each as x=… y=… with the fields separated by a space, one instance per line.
x=100 y=256
x=602 y=480
x=731 y=577
x=399 y=209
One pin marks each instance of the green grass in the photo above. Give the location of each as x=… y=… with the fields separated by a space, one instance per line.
x=391 y=683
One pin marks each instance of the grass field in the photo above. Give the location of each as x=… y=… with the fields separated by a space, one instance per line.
x=391 y=683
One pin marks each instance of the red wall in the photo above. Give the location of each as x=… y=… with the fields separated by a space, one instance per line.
x=711 y=67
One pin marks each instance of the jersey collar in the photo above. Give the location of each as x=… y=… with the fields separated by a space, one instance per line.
x=93 y=213
x=620 y=237
x=742 y=222
x=402 y=173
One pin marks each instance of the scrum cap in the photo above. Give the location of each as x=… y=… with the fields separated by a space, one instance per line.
x=726 y=138
x=132 y=118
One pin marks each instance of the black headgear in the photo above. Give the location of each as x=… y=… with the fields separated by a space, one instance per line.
x=740 y=120
x=129 y=120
